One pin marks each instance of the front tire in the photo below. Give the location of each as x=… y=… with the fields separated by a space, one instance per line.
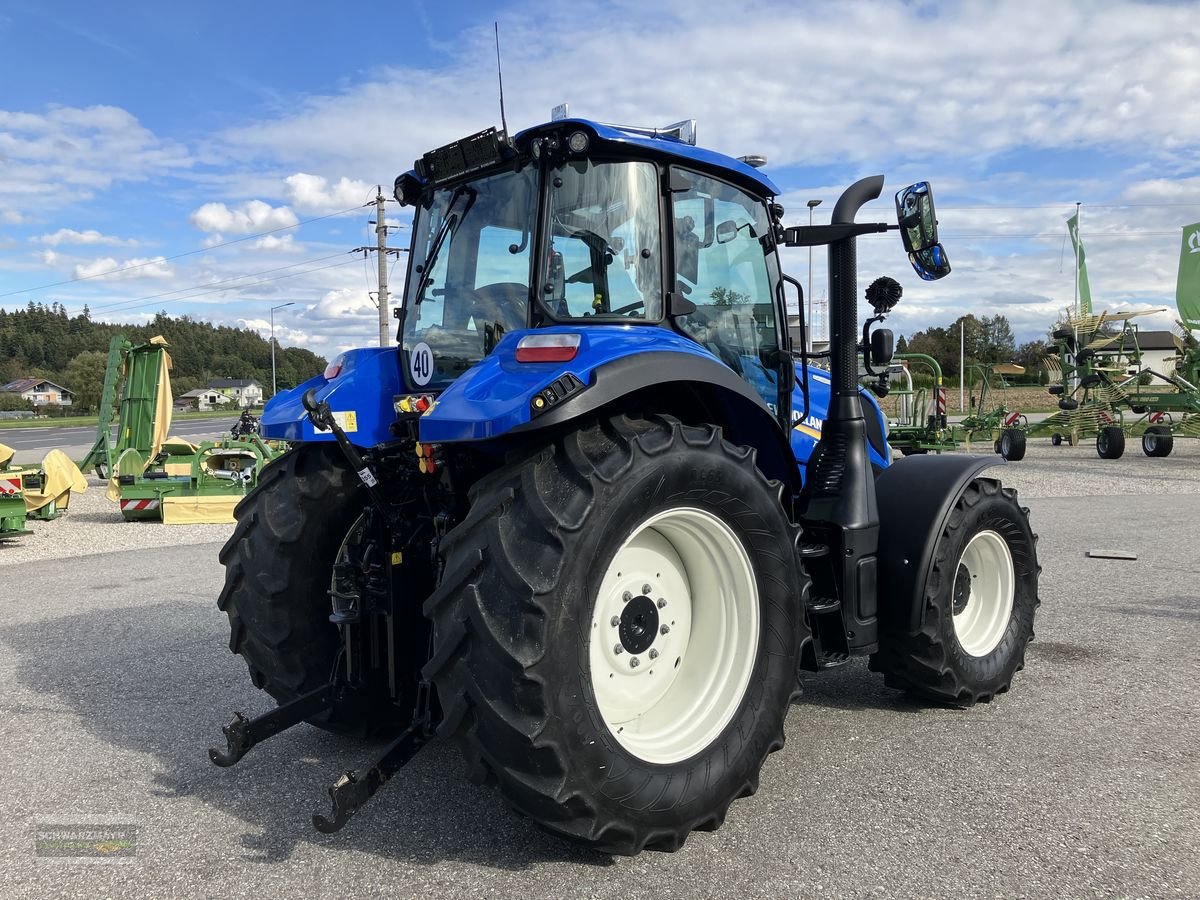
x=546 y=578
x=977 y=613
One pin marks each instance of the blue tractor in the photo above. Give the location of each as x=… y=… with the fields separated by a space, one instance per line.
x=595 y=512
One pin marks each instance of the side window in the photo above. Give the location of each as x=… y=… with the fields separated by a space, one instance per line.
x=722 y=266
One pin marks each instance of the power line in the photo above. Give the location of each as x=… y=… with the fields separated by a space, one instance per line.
x=163 y=259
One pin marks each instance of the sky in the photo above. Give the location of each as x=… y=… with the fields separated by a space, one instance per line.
x=220 y=154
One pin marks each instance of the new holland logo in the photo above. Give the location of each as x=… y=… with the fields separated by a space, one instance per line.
x=1194 y=241
x=810 y=426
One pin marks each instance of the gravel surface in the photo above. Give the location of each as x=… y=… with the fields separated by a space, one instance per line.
x=93 y=524
x=1080 y=782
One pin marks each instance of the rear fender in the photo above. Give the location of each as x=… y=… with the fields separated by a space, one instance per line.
x=632 y=367
x=360 y=396
x=916 y=495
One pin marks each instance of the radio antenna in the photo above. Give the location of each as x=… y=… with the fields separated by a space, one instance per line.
x=500 y=77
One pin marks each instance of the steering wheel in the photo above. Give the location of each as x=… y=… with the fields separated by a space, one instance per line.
x=628 y=308
x=504 y=303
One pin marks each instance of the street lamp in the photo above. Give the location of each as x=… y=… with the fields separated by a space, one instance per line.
x=273 y=308
x=812 y=204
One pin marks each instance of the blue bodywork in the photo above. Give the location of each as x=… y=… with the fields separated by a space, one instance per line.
x=492 y=398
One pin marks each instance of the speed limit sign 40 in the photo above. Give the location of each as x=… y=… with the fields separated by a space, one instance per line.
x=420 y=364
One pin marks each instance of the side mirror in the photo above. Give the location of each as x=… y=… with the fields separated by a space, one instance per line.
x=930 y=263
x=726 y=232
x=915 y=213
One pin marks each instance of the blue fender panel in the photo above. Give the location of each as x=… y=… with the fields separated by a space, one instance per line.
x=806 y=430
x=369 y=379
x=916 y=496
x=493 y=397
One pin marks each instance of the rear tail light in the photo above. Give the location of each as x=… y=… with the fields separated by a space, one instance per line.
x=535 y=348
x=334 y=369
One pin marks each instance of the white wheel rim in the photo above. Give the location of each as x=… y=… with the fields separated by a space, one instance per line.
x=688 y=682
x=982 y=594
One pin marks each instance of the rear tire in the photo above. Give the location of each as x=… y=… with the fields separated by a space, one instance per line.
x=1012 y=444
x=278 y=564
x=1158 y=441
x=1110 y=442
x=980 y=599
x=1056 y=439
x=524 y=633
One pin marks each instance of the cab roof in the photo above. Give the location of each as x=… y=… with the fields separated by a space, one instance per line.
x=663 y=145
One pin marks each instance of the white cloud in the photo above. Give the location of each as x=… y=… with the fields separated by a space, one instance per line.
x=283 y=244
x=250 y=217
x=67 y=153
x=315 y=195
x=108 y=268
x=90 y=236
x=11 y=217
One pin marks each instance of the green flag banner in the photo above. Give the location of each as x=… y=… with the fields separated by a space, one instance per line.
x=1085 y=290
x=1187 y=288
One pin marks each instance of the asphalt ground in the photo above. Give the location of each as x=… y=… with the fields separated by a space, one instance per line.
x=1082 y=781
x=31 y=444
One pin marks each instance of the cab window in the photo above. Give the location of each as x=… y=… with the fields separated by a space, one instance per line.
x=723 y=265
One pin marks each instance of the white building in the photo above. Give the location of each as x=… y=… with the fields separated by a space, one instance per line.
x=244 y=392
x=39 y=392
x=202 y=399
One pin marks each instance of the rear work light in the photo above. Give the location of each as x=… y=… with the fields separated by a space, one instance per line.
x=535 y=348
x=334 y=369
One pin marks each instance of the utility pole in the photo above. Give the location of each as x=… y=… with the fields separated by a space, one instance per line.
x=383 y=252
x=962 y=365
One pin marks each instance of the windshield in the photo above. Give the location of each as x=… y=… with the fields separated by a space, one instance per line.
x=604 y=241
x=470 y=279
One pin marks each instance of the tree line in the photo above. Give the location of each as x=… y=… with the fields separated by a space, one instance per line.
x=985 y=339
x=42 y=341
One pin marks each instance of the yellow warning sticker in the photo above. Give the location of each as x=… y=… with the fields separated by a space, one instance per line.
x=397 y=558
x=347 y=421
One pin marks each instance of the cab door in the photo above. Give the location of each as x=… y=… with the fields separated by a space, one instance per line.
x=726 y=265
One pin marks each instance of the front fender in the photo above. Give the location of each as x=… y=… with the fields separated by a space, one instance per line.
x=916 y=496
x=360 y=397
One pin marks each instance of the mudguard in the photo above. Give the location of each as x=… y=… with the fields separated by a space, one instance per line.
x=500 y=396
x=916 y=496
x=360 y=396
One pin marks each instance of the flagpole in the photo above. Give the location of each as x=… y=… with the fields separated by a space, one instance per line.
x=1078 y=241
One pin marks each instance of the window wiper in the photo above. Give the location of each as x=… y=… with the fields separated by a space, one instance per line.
x=449 y=224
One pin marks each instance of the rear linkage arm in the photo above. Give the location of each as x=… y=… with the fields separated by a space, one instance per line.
x=349 y=792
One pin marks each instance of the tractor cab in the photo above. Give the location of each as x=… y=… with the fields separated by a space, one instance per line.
x=574 y=225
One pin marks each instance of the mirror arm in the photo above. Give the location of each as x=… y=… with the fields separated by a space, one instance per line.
x=816 y=235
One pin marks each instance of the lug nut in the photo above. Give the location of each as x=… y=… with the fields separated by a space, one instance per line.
x=661 y=602
x=618 y=649
x=654 y=654
x=627 y=596
x=634 y=663
x=664 y=629
x=614 y=621
x=645 y=588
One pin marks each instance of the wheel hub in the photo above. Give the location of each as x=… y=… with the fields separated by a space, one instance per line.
x=962 y=589
x=983 y=592
x=674 y=634
x=639 y=624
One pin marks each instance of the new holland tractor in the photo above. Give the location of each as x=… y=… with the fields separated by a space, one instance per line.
x=590 y=518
